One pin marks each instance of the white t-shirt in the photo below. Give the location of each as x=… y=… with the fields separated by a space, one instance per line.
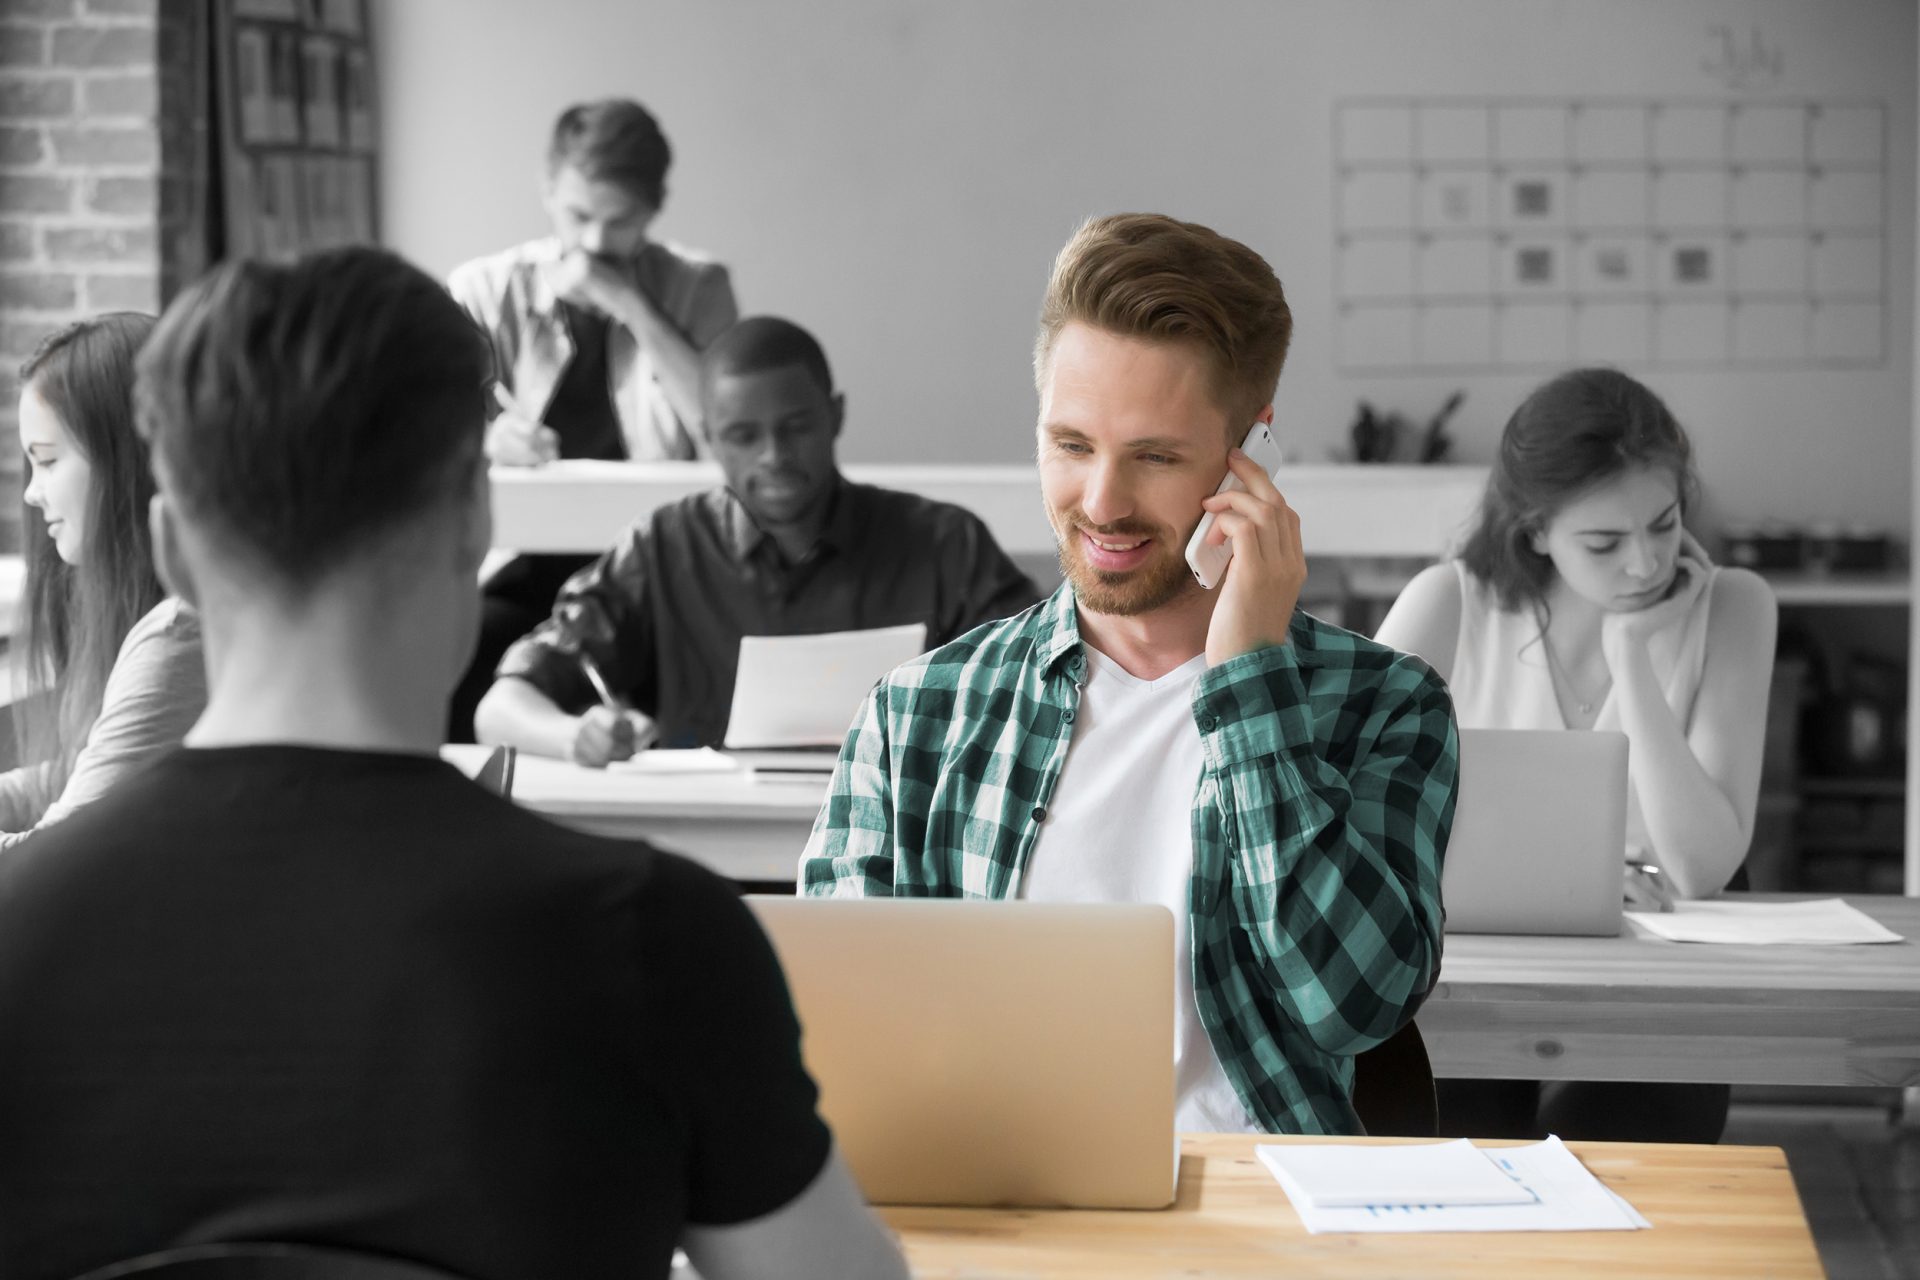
x=1119 y=829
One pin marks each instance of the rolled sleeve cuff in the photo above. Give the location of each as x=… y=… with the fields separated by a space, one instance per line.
x=547 y=669
x=1252 y=706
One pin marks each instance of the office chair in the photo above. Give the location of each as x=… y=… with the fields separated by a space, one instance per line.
x=1393 y=1087
x=496 y=775
x=263 y=1262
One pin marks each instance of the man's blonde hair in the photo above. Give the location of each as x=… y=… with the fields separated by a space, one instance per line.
x=1145 y=275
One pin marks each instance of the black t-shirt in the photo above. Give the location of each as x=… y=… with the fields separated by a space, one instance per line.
x=581 y=411
x=282 y=993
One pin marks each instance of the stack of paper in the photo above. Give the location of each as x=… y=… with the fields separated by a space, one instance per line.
x=1445 y=1186
x=664 y=761
x=1824 y=922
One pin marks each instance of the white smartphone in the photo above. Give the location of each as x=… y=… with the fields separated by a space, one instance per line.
x=1209 y=563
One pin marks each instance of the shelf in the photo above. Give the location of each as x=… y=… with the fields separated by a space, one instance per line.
x=1814 y=845
x=1886 y=587
x=1866 y=788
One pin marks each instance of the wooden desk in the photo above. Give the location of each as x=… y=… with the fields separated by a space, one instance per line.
x=1716 y=1212
x=743 y=829
x=581 y=505
x=1639 y=1008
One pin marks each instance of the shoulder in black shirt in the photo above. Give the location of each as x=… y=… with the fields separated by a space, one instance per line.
x=351 y=998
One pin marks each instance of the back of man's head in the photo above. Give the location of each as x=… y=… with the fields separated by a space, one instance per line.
x=758 y=344
x=301 y=415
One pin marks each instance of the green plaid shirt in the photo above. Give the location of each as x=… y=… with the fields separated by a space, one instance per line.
x=1319 y=823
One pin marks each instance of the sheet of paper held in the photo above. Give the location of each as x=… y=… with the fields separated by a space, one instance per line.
x=803 y=691
x=1559 y=1193
x=1823 y=922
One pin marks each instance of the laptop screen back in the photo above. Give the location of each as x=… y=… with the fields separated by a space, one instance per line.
x=1539 y=833
x=988 y=1053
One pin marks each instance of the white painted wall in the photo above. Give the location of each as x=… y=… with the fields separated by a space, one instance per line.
x=897 y=174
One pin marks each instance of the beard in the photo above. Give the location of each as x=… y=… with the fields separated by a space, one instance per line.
x=1161 y=580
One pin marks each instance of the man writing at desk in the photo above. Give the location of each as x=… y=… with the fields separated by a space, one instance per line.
x=1284 y=786
x=596 y=334
x=786 y=547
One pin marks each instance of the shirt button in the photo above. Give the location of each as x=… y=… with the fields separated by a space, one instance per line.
x=1209 y=723
x=1067 y=716
x=1039 y=814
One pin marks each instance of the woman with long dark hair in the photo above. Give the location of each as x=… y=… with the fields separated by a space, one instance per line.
x=107 y=667
x=1580 y=601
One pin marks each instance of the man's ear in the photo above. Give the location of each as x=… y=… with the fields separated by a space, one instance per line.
x=1239 y=434
x=476 y=517
x=168 y=559
x=1537 y=539
x=839 y=403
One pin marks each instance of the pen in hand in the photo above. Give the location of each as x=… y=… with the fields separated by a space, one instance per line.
x=517 y=437
x=631 y=731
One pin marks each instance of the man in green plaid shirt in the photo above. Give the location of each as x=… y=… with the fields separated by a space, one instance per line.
x=1285 y=786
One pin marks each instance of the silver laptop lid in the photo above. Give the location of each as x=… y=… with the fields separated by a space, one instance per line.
x=1539 y=833
x=977 y=1053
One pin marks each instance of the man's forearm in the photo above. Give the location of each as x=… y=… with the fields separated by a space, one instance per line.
x=514 y=713
x=675 y=361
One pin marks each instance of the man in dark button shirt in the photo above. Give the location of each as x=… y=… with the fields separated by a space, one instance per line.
x=302 y=981
x=788 y=547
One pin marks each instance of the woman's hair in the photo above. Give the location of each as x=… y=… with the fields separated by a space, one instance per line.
x=1582 y=429
x=74 y=617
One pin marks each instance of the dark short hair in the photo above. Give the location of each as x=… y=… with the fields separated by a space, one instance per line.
x=613 y=140
x=300 y=412
x=1145 y=275
x=1580 y=430
x=760 y=343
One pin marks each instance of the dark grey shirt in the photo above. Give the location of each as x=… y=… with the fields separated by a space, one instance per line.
x=663 y=612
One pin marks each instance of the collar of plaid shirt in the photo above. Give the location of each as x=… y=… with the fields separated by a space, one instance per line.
x=1319 y=823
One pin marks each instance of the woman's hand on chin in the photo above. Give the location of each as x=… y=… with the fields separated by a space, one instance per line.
x=1618 y=630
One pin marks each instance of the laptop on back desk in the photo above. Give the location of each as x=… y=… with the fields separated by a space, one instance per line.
x=1539 y=833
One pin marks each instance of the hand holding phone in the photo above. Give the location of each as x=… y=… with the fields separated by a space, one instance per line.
x=1257 y=593
x=1209 y=561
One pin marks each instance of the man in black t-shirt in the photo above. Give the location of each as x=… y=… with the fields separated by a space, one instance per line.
x=304 y=982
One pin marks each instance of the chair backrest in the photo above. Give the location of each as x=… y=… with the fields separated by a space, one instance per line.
x=264 y=1262
x=496 y=775
x=1393 y=1087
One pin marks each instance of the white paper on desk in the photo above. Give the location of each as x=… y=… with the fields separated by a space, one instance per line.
x=1824 y=922
x=668 y=762
x=803 y=691
x=1340 y=1175
x=1566 y=1198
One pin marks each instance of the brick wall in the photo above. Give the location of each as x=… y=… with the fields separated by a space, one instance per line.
x=80 y=165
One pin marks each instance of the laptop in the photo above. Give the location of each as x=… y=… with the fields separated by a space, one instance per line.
x=988 y=1053
x=1539 y=833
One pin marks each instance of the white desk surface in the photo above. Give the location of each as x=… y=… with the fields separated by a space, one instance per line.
x=739 y=827
x=582 y=505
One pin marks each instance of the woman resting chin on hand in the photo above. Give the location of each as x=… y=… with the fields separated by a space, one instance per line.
x=107 y=667
x=1580 y=601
